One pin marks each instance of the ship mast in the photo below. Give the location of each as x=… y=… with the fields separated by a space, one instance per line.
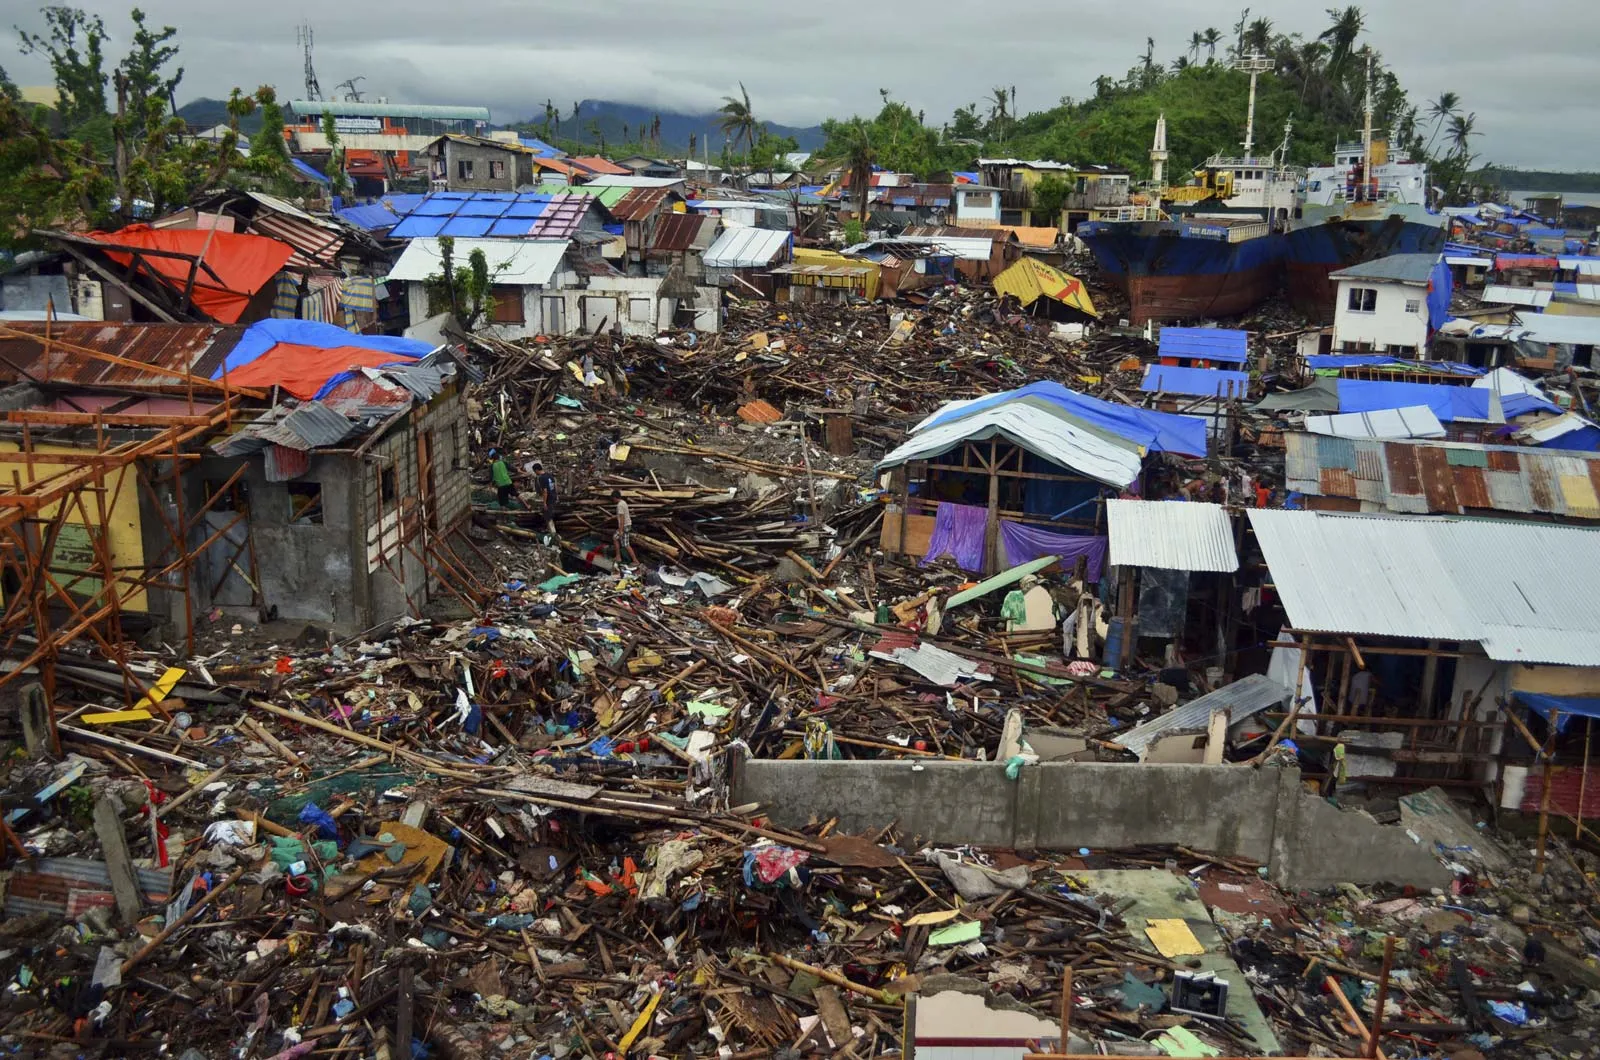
x=1366 y=134
x=1255 y=64
x=1158 y=154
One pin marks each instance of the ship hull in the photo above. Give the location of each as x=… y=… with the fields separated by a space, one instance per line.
x=1180 y=271
x=1316 y=251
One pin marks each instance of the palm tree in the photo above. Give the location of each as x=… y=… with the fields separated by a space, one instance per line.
x=738 y=119
x=1258 y=36
x=1342 y=35
x=1439 y=110
x=1212 y=37
x=1180 y=64
x=1001 y=99
x=1103 y=86
x=856 y=154
x=1197 y=41
x=1312 y=52
x=1462 y=129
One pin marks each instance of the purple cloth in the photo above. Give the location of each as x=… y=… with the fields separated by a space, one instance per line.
x=1023 y=543
x=960 y=530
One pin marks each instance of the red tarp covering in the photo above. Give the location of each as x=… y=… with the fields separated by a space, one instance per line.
x=244 y=263
x=303 y=370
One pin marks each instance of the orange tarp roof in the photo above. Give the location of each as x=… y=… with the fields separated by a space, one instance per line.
x=243 y=263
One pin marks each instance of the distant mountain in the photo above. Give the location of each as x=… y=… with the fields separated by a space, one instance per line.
x=204 y=113
x=676 y=127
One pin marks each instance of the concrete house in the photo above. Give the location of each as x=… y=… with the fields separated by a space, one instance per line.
x=528 y=277
x=470 y=163
x=976 y=206
x=1383 y=306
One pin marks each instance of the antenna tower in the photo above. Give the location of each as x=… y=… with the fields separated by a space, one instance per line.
x=1255 y=64
x=303 y=37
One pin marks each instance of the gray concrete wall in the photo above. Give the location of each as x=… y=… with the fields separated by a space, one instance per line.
x=1260 y=814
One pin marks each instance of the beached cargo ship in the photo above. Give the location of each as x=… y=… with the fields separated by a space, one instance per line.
x=1363 y=207
x=1219 y=252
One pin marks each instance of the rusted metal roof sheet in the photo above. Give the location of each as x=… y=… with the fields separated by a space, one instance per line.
x=1414 y=476
x=639 y=204
x=315 y=245
x=680 y=232
x=198 y=349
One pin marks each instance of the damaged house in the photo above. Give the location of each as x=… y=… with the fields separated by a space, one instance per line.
x=288 y=469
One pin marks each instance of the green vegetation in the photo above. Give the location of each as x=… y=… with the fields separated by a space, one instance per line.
x=1317 y=81
x=113 y=140
x=1537 y=179
x=467 y=294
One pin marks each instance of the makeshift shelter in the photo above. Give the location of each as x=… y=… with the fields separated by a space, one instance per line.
x=1172 y=562
x=992 y=479
x=305 y=359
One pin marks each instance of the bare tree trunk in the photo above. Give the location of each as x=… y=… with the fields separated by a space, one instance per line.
x=119 y=134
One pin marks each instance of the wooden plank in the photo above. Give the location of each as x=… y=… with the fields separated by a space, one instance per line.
x=919 y=533
x=119 y=865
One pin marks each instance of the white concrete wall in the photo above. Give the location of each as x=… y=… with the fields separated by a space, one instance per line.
x=967 y=214
x=1389 y=324
x=631 y=300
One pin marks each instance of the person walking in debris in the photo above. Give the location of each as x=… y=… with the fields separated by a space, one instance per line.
x=624 y=535
x=544 y=484
x=1339 y=772
x=500 y=475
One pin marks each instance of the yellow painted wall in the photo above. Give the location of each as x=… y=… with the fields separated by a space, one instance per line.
x=1557 y=680
x=832 y=260
x=1573 y=309
x=124 y=529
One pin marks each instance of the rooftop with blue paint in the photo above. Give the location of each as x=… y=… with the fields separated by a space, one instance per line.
x=1209 y=344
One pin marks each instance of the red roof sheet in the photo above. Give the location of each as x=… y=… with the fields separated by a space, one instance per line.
x=596 y=164
x=639 y=204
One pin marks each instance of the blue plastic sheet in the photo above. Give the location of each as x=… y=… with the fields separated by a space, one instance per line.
x=316 y=816
x=259 y=338
x=1447 y=402
x=1569 y=707
x=1160 y=432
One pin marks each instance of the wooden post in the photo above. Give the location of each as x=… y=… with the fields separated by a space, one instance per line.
x=1430 y=678
x=991 y=530
x=1544 y=794
x=1375 y=1037
x=119 y=865
x=1066 y=1008
x=1583 y=781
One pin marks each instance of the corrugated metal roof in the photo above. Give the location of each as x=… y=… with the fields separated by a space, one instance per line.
x=678 y=232
x=316 y=245
x=531 y=215
x=1499 y=294
x=1451 y=478
x=1054 y=435
x=340 y=109
x=1415 y=422
x=1396 y=268
x=617 y=180
x=1210 y=344
x=1171 y=535
x=195 y=348
x=512 y=262
x=1245 y=698
x=1524 y=591
x=639 y=204
x=746 y=248
x=1029 y=279
x=1559 y=327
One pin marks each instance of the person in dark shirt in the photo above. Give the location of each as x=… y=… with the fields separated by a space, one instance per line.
x=544 y=484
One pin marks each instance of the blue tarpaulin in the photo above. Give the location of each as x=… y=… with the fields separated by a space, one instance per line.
x=264 y=336
x=307 y=170
x=1440 y=288
x=1195 y=382
x=1209 y=344
x=1449 y=403
x=1324 y=361
x=1570 y=707
x=1160 y=432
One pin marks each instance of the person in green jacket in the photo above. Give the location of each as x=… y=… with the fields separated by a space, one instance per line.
x=500 y=475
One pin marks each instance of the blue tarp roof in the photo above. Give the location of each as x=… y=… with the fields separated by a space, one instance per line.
x=1449 y=403
x=1157 y=431
x=308 y=170
x=1379 y=360
x=972 y=178
x=538 y=147
x=1195 y=382
x=1570 y=707
x=385 y=213
x=1212 y=344
x=474 y=214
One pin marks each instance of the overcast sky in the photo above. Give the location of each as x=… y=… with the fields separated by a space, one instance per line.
x=1528 y=69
